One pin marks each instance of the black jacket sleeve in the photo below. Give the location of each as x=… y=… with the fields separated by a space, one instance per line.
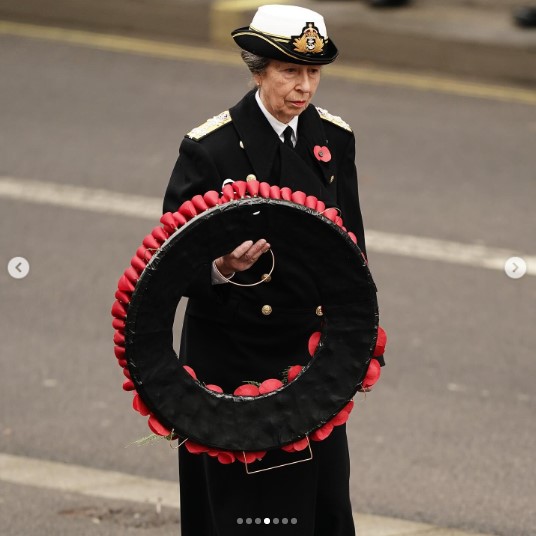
x=348 y=195
x=194 y=173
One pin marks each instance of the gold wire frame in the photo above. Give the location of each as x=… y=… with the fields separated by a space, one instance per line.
x=336 y=208
x=281 y=465
x=179 y=443
x=265 y=277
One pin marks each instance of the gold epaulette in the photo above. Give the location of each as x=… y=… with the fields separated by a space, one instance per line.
x=210 y=125
x=335 y=119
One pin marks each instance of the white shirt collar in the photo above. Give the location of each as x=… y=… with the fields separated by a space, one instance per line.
x=276 y=124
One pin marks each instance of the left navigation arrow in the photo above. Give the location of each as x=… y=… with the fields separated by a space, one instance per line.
x=18 y=267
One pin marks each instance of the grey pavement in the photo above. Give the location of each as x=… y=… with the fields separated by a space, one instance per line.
x=459 y=37
x=91 y=502
x=27 y=511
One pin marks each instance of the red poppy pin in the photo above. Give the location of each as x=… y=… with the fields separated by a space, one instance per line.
x=322 y=153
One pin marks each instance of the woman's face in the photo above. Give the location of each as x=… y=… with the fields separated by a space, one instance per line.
x=286 y=89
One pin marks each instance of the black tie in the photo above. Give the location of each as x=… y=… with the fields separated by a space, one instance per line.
x=287 y=135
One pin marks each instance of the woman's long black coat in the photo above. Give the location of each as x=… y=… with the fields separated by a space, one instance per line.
x=227 y=339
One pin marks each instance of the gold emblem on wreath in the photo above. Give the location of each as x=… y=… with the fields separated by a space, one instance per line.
x=310 y=41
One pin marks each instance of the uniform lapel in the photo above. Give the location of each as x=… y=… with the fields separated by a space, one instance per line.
x=299 y=168
x=311 y=134
x=258 y=137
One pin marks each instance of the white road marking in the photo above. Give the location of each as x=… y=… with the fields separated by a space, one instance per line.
x=86 y=481
x=433 y=249
x=78 y=197
x=116 y=203
x=120 y=486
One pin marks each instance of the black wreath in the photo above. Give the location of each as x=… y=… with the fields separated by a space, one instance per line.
x=334 y=374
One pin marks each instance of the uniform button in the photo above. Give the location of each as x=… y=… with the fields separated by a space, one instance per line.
x=319 y=311
x=266 y=310
x=266 y=278
x=331 y=179
x=251 y=177
x=241 y=144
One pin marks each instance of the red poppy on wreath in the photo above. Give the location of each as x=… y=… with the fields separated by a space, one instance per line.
x=322 y=153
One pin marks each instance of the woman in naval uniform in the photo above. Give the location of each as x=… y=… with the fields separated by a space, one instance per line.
x=231 y=333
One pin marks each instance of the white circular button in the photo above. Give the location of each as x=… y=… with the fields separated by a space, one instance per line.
x=18 y=267
x=515 y=267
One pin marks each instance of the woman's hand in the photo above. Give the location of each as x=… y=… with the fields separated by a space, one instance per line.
x=242 y=257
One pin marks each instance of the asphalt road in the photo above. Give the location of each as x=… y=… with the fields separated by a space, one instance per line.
x=447 y=436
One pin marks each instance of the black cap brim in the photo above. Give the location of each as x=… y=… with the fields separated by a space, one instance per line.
x=277 y=49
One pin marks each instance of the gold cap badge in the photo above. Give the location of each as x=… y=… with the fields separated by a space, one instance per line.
x=310 y=41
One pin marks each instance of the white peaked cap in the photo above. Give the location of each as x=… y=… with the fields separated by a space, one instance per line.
x=286 y=21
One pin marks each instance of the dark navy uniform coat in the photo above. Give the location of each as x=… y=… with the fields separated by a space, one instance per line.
x=227 y=339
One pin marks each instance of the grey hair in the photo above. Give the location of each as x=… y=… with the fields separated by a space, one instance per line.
x=256 y=64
